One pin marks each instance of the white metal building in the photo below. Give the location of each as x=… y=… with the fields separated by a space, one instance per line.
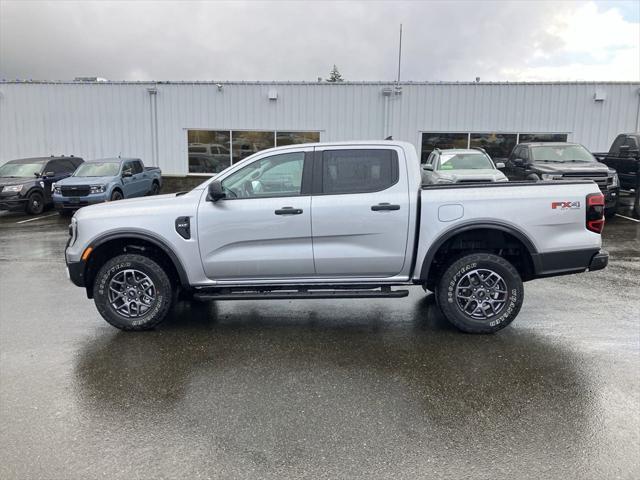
x=200 y=127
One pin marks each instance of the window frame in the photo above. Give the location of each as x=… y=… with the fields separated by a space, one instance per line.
x=307 y=171
x=318 y=169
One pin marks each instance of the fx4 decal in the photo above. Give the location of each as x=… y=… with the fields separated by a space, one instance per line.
x=564 y=205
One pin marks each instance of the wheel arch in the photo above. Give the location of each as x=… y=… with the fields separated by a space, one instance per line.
x=449 y=236
x=105 y=246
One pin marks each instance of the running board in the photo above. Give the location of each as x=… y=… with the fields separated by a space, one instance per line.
x=226 y=294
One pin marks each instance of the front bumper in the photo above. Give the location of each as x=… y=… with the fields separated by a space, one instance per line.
x=12 y=203
x=76 y=272
x=74 y=203
x=611 y=197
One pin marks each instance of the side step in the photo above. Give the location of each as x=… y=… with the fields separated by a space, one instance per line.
x=306 y=293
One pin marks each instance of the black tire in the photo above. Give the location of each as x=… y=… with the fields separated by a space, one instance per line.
x=35 y=203
x=453 y=281
x=116 y=195
x=155 y=189
x=120 y=267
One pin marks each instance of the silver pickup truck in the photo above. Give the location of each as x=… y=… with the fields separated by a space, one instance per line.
x=335 y=220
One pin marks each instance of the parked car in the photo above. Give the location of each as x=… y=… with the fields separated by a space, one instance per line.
x=461 y=166
x=108 y=179
x=25 y=184
x=247 y=234
x=563 y=161
x=624 y=157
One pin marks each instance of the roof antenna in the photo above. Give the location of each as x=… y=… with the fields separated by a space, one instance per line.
x=399 y=54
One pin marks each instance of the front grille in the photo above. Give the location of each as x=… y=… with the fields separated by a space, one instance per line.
x=75 y=191
x=599 y=178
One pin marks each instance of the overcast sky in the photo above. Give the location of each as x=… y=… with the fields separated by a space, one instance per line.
x=296 y=40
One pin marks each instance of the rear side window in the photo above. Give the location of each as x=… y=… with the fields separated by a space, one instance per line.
x=358 y=171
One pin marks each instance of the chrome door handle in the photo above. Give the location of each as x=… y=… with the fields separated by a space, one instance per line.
x=288 y=211
x=384 y=206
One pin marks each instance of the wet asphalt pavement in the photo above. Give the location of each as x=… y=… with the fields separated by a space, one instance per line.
x=317 y=389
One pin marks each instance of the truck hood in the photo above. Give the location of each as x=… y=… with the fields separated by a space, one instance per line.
x=473 y=175
x=141 y=206
x=85 y=181
x=5 y=181
x=571 y=167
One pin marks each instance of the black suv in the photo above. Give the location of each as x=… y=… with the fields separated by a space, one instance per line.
x=563 y=161
x=25 y=184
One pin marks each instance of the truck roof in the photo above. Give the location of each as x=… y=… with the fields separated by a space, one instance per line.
x=39 y=159
x=548 y=144
x=112 y=159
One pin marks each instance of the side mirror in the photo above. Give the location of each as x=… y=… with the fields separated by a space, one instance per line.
x=500 y=165
x=127 y=173
x=215 y=191
x=427 y=166
x=49 y=174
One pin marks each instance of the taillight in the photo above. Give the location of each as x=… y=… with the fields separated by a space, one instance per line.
x=595 y=212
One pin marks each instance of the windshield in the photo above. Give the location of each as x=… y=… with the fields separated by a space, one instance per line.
x=465 y=161
x=561 y=153
x=98 y=169
x=20 y=169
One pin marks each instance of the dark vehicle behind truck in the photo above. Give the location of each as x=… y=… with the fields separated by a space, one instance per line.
x=563 y=161
x=25 y=184
x=624 y=157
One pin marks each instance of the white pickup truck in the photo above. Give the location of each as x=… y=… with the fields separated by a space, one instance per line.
x=335 y=220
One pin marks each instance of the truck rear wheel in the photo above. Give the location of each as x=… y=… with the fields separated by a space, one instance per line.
x=480 y=293
x=133 y=292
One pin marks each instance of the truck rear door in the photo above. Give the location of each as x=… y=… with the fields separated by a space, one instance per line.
x=360 y=211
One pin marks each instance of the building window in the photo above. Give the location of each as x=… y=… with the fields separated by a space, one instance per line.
x=208 y=151
x=292 y=138
x=543 y=137
x=430 y=141
x=211 y=151
x=497 y=145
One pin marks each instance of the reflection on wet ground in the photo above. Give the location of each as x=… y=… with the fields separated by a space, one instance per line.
x=318 y=389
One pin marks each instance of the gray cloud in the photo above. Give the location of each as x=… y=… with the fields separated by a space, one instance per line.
x=289 y=40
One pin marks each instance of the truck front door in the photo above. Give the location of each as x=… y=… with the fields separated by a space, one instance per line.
x=360 y=215
x=262 y=228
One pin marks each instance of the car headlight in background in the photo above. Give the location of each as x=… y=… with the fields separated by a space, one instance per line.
x=551 y=176
x=615 y=181
x=97 y=189
x=12 y=188
x=55 y=188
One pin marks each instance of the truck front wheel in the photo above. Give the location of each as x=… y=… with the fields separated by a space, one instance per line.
x=480 y=293
x=133 y=292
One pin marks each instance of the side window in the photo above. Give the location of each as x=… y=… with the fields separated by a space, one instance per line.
x=631 y=143
x=127 y=166
x=59 y=166
x=524 y=154
x=274 y=176
x=137 y=166
x=617 y=143
x=358 y=171
x=514 y=153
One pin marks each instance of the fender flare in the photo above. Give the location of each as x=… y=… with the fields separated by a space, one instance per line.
x=154 y=240
x=493 y=225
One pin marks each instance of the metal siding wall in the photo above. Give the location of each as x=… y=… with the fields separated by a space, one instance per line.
x=107 y=119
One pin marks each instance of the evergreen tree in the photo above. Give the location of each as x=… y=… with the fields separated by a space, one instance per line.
x=334 y=75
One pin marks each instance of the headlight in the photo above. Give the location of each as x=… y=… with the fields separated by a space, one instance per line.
x=12 y=188
x=615 y=181
x=97 y=188
x=551 y=176
x=55 y=188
